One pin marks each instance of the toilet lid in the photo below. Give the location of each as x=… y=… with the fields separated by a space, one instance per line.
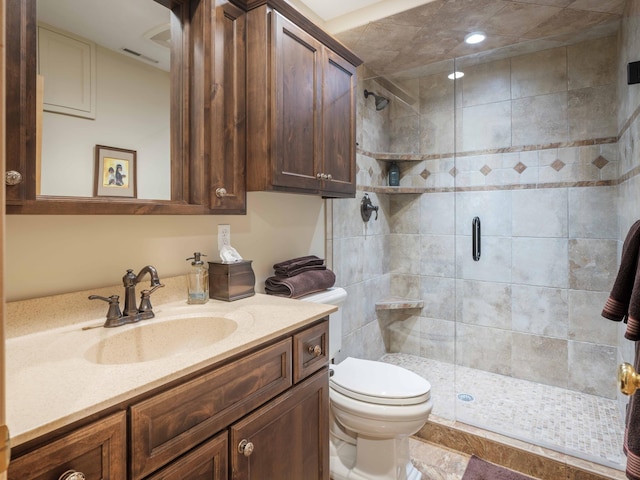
x=379 y=383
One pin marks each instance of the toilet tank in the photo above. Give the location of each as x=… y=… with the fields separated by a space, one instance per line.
x=331 y=296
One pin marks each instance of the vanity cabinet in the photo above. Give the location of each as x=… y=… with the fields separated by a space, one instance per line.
x=173 y=422
x=98 y=450
x=301 y=116
x=286 y=439
x=263 y=412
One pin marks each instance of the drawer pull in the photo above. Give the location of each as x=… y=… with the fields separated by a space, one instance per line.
x=245 y=447
x=72 y=475
x=316 y=351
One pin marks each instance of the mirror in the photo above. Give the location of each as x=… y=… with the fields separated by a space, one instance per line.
x=104 y=79
x=186 y=174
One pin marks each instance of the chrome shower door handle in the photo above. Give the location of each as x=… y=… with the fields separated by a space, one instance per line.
x=476 y=235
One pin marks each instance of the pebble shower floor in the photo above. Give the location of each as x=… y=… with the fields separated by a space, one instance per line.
x=578 y=424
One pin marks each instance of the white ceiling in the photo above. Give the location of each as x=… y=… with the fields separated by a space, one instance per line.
x=330 y=9
x=114 y=24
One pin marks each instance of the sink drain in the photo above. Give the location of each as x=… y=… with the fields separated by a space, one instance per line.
x=465 y=397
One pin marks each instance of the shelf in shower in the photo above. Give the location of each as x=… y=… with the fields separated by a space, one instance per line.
x=393 y=190
x=397 y=157
x=400 y=157
x=398 y=303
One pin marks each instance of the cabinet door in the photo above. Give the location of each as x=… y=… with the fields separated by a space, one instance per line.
x=297 y=115
x=227 y=189
x=97 y=450
x=339 y=125
x=287 y=439
x=175 y=421
x=20 y=83
x=207 y=462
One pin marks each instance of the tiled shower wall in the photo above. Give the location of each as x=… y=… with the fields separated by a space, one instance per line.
x=360 y=250
x=628 y=126
x=536 y=158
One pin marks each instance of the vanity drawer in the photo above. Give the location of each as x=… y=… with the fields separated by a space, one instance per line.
x=310 y=350
x=208 y=461
x=170 y=423
x=97 y=450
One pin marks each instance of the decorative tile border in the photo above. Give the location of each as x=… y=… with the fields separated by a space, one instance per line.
x=473 y=179
x=416 y=157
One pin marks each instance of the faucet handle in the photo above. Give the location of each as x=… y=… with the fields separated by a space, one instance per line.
x=145 y=300
x=114 y=312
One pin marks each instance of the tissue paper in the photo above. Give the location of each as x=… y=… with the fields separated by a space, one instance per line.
x=228 y=254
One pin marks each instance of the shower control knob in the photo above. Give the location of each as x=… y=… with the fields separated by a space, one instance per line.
x=316 y=350
x=221 y=192
x=245 y=447
x=12 y=177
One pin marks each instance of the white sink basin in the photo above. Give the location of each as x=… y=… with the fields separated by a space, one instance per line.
x=153 y=339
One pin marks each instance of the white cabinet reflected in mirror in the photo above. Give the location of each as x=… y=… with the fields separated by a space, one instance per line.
x=106 y=81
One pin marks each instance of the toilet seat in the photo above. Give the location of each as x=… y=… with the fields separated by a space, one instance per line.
x=379 y=383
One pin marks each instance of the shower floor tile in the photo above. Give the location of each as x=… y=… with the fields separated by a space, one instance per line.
x=577 y=424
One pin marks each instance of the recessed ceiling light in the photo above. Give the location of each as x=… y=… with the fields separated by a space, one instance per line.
x=455 y=75
x=474 y=37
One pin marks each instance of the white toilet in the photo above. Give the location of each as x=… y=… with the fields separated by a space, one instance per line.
x=374 y=408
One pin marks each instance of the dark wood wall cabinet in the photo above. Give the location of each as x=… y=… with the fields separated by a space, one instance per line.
x=261 y=99
x=262 y=415
x=301 y=120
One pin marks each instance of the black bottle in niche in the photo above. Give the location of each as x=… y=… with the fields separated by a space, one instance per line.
x=394 y=175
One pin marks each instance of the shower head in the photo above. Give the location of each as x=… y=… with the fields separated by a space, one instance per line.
x=381 y=102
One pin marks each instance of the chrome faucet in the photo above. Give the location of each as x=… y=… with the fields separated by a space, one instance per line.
x=132 y=314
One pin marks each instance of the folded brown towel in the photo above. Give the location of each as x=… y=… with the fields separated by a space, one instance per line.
x=296 y=271
x=295 y=264
x=300 y=285
x=624 y=301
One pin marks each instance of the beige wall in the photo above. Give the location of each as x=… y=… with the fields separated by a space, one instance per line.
x=132 y=113
x=52 y=254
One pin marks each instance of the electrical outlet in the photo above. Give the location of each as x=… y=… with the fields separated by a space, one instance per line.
x=224 y=236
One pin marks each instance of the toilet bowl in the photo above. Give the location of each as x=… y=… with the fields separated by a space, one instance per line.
x=373 y=408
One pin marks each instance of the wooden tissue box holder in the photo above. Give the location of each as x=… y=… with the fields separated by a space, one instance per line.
x=231 y=281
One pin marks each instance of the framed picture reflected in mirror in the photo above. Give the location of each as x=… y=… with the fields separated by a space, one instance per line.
x=115 y=172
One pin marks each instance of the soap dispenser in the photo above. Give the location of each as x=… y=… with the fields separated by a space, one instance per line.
x=198 y=280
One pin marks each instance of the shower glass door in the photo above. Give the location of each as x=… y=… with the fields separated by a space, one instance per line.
x=536 y=245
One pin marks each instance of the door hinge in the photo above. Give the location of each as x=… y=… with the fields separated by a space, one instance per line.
x=5 y=448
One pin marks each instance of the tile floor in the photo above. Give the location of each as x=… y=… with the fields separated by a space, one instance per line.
x=580 y=425
x=437 y=463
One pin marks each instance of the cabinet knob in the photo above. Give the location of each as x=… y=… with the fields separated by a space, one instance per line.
x=245 y=447
x=316 y=350
x=12 y=177
x=329 y=177
x=72 y=475
x=221 y=192
x=319 y=176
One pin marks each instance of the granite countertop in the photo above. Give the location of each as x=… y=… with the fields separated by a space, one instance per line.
x=52 y=380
